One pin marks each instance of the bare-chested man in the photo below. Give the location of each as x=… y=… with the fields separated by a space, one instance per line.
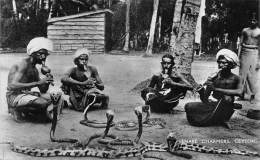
x=224 y=86
x=249 y=58
x=25 y=76
x=83 y=83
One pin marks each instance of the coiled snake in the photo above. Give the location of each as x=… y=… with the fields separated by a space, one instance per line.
x=92 y=123
x=129 y=125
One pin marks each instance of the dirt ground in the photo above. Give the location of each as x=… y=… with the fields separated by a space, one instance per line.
x=120 y=74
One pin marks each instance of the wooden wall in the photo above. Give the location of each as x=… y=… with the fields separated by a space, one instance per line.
x=71 y=34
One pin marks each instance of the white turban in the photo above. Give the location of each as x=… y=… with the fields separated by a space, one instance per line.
x=80 y=52
x=39 y=43
x=229 y=55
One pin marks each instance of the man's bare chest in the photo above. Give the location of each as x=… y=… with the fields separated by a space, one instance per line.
x=225 y=83
x=82 y=75
x=253 y=33
x=30 y=75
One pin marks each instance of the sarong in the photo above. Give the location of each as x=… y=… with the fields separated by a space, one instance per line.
x=20 y=99
x=80 y=97
x=161 y=103
x=247 y=71
x=212 y=113
x=22 y=102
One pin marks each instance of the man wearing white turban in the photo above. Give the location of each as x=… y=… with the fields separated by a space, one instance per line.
x=224 y=86
x=24 y=76
x=83 y=83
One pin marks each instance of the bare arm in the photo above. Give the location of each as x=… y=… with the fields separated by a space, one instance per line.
x=99 y=84
x=15 y=75
x=66 y=79
x=154 y=81
x=241 y=42
x=184 y=83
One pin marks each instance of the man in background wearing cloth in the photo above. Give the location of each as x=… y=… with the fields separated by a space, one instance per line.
x=24 y=76
x=82 y=83
x=249 y=58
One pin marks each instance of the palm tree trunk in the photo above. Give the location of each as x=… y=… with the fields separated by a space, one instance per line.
x=176 y=23
x=159 y=27
x=184 y=45
x=149 y=49
x=127 y=27
x=14 y=9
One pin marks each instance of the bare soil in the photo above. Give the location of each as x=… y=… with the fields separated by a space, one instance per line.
x=122 y=75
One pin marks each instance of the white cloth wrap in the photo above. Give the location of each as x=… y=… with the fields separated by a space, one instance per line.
x=80 y=52
x=39 y=43
x=229 y=55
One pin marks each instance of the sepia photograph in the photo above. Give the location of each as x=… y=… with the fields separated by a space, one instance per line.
x=129 y=79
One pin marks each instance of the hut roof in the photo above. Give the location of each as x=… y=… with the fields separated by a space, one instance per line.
x=55 y=19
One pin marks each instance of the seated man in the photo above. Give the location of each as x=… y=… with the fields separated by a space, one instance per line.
x=223 y=85
x=82 y=83
x=24 y=76
x=165 y=88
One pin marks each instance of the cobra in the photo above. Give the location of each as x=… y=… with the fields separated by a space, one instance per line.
x=173 y=146
x=85 y=151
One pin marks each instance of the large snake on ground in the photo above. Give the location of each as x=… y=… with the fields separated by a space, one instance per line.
x=85 y=151
x=173 y=146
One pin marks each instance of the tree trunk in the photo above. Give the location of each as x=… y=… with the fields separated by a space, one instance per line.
x=184 y=48
x=37 y=7
x=159 y=27
x=198 y=31
x=127 y=27
x=149 y=49
x=14 y=9
x=176 y=23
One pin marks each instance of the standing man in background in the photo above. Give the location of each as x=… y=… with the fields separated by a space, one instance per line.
x=249 y=59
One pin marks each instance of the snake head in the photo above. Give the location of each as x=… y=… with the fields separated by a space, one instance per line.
x=138 y=110
x=55 y=97
x=171 y=141
x=145 y=108
x=110 y=115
